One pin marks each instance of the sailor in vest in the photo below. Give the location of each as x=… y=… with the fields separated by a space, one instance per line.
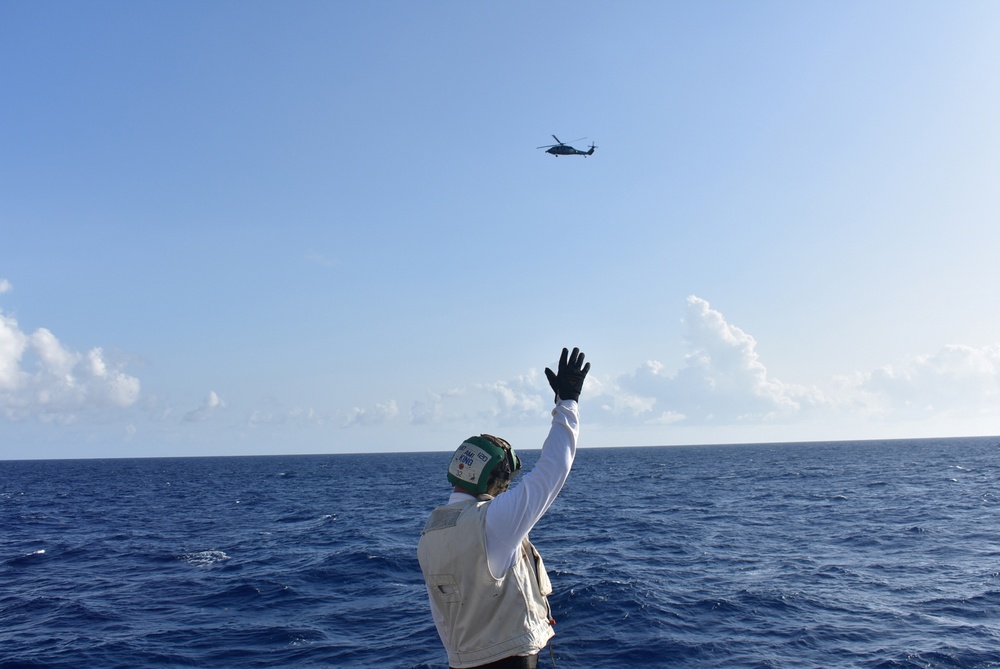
x=486 y=582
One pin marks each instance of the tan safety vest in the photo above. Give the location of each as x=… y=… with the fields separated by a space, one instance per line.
x=486 y=618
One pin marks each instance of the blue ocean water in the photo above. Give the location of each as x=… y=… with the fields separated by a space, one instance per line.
x=877 y=555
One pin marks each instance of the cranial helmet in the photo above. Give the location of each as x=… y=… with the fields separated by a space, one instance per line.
x=481 y=461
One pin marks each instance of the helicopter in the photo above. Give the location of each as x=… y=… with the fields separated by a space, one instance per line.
x=564 y=149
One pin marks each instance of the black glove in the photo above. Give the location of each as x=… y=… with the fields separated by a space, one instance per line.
x=569 y=381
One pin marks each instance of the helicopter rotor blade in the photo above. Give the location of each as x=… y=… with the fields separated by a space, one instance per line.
x=561 y=143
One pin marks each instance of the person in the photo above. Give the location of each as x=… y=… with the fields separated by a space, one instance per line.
x=486 y=583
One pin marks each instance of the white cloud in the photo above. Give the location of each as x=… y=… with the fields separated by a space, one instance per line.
x=517 y=399
x=40 y=378
x=719 y=386
x=723 y=381
x=381 y=413
x=210 y=408
x=273 y=413
x=13 y=344
x=955 y=381
x=5 y=286
x=526 y=398
x=436 y=408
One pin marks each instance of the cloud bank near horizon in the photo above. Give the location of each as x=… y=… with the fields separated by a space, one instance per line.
x=720 y=381
x=723 y=381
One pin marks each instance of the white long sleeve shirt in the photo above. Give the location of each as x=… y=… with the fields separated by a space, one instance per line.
x=513 y=513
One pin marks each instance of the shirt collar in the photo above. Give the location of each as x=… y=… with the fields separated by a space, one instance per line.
x=457 y=497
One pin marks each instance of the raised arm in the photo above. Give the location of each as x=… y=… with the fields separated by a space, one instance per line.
x=514 y=513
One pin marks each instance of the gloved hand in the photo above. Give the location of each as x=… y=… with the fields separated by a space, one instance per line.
x=568 y=383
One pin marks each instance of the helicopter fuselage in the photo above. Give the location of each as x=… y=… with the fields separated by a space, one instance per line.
x=563 y=150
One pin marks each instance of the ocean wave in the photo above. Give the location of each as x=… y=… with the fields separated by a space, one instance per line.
x=26 y=560
x=204 y=558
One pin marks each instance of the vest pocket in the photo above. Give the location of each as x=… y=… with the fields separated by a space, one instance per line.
x=445 y=588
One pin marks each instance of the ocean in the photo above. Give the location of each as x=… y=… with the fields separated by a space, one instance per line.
x=876 y=554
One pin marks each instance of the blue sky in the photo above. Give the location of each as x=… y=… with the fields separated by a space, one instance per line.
x=306 y=227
